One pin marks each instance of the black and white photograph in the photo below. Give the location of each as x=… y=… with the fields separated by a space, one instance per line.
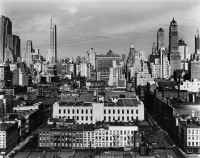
x=99 y=78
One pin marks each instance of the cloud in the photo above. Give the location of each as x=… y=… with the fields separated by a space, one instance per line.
x=72 y=10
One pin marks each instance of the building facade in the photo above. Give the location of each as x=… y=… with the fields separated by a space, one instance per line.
x=197 y=43
x=173 y=37
x=104 y=135
x=194 y=67
x=103 y=64
x=123 y=110
x=5 y=29
x=92 y=58
x=52 y=52
x=160 y=39
x=27 y=54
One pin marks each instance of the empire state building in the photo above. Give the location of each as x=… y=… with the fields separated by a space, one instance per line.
x=52 y=52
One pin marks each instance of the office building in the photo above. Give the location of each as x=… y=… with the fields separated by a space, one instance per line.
x=27 y=54
x=175 y=62
x=183 y=50
x=21 y=75
x=117 y=75
x=52 y=52
x=5 y=75
x=194 y=67
x=160 y=39
x=5 y=29
x=92 y=58
x=197 y=43
x=13 y=48
x=173 y=37
x=103 y=64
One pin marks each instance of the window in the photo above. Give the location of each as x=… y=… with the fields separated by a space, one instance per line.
x=113 y=118
x=104 y=118
x=109 y=112
x=64 y=111
x=131 y=111
x=136 y=111
x=68 y=111
x=113 y=111
x=59 y=111
x=77 y=111
x=86 y=118
x=81 y=117
x=77 y=118
x=73 y=111
x=82 y=111
x=91 y=111
x=104 y=111
x=122 y=111
x=127 y=118
x=91 y=118
x=86 y=111
x=122 y=118
x=127 y=111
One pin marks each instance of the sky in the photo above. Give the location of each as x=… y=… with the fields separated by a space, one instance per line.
x=100 y=24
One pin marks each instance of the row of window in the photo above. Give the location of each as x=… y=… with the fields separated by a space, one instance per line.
x=105 y=111
x=120 y=111
x=73 y=111
x=122 y=118
x=193 y=143
x=193 y=137
x=100 y=144
x=193 y=131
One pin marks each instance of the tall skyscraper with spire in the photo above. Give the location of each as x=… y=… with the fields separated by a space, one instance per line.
x=173 y=37
x=160 y=39
x=5 y=29
x=175 y=57
x=52 y=52
x=197 y=43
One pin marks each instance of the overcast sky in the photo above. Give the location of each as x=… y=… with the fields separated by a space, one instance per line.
x=100 y=24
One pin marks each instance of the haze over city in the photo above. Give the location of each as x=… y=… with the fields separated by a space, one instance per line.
x=100 y=24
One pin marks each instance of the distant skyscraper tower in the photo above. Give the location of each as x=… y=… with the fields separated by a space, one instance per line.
x=13 y=46
x=160 y=39
x=197 y=43
x=173 y=37
x=27 y=56
x=92 y=57
x=5 y=29
x=52 y=52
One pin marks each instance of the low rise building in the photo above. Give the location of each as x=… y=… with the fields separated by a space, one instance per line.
x=123 y=109
x=99 y=135
x=8 y=137
x=189 y=135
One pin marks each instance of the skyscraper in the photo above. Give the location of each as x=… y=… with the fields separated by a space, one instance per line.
x=197 y=43
x=5 y=29
x=173 y=37
x=92 y=57
x=52 y=52
x=13 y=44
x=27 y=56
x=160 y=39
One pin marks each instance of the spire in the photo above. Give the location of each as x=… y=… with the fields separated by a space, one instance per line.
x=51 y=18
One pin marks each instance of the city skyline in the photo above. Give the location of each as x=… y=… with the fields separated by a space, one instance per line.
x=100 y=24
